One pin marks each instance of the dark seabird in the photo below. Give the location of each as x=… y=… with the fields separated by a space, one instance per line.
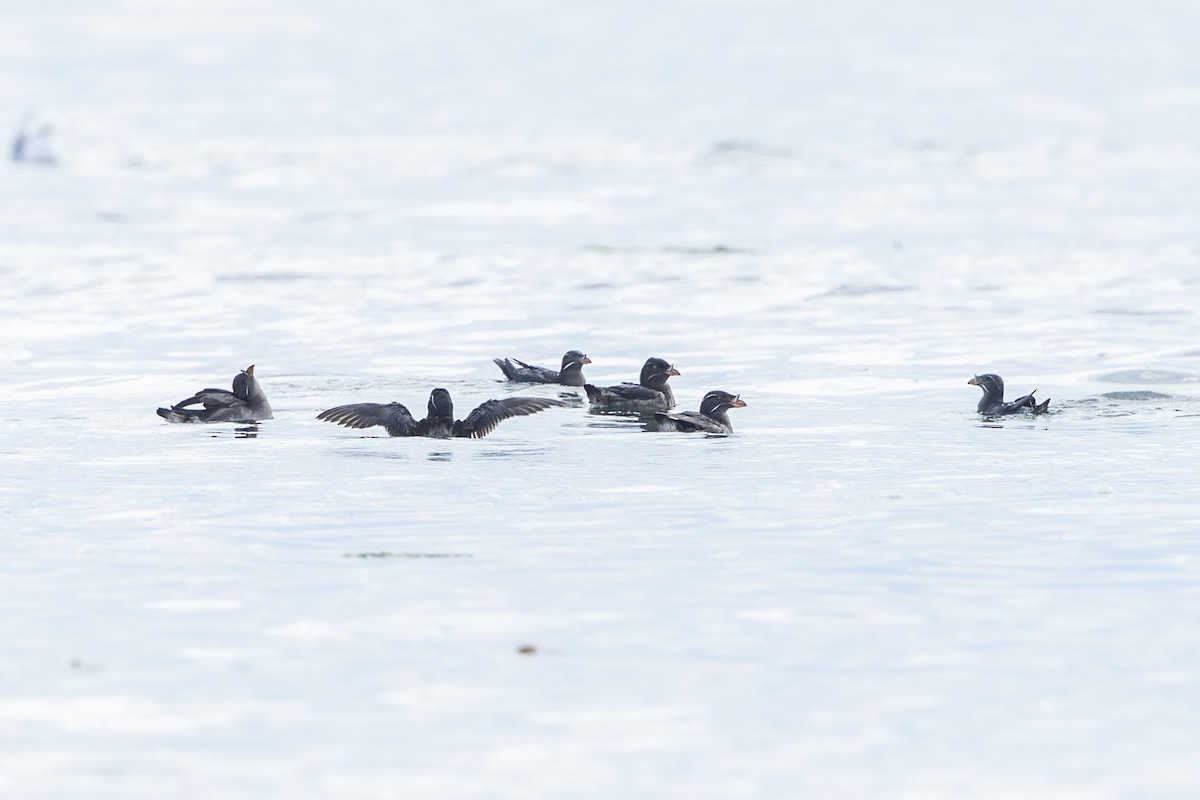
x=713 y=416
x=33 y=142
x=439 y=423
x=992 y=403
x=246 y=403
x=650 y=393
x=571 y=373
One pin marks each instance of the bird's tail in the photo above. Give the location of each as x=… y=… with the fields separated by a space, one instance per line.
x=662 y=422
x=506 y=367
x=178 y=414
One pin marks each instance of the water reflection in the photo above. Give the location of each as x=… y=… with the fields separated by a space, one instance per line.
x=245 y=432
x=616 y=419
x=440 y=455
x=390 y=453
x=513 y=452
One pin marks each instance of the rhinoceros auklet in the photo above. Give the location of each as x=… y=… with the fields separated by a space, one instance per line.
x=246 y=403
x=992 y=403
x=439 y=422
x=651 y=393
x=713 y=416
x=571 y=373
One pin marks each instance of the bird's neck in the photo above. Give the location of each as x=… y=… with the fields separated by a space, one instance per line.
x=719 y=415
x=990 y=398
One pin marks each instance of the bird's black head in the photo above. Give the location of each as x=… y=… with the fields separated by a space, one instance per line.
x=440 y=404
x=574 y=357
x=992 y=385
x=718 y=402
x=243 y=381
x=655 y=372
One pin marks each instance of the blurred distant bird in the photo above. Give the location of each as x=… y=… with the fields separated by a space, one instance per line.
x=992 y=403
x=650 y=393
x=570 y=374
x=439 y=422
x=33 y=143
x=246 y=403
x=713 y=416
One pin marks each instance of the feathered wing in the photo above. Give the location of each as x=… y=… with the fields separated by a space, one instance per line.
x=484 y=419
x=212 y=399
x=536 y=374
x=686 y=421
x=525 y=373
x=621 y=393
x=392 y=416
x=220 y=405
x=1028 y=401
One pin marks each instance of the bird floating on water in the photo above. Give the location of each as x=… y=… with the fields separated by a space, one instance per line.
x=992 y=403
x=713 y=416
x=650 y=393
x=246 y=403
x=569 y=374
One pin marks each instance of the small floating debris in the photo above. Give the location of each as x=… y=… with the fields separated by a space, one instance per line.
x=1147 y=376
x=527 y=650
x=389 y=554
x=864 y=289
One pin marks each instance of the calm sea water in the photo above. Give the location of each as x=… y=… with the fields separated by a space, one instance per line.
x=867 y=591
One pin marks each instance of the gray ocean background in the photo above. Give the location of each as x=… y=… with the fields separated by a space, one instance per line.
x=840 y=211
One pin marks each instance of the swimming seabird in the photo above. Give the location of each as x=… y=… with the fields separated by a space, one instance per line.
x=650 y=393
x=992 y=403
x=713 y=416
x=570 y=374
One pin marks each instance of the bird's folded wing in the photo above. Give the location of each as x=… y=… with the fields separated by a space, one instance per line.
x=689 y=421
x=1024 y=402
x=484 y=419
x=393 y=416
x=634 y=391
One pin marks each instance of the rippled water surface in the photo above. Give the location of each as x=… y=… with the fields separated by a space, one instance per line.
x=867 y=591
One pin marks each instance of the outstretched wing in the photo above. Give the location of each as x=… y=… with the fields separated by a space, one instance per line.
x=484 y=419
x=393 y=416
